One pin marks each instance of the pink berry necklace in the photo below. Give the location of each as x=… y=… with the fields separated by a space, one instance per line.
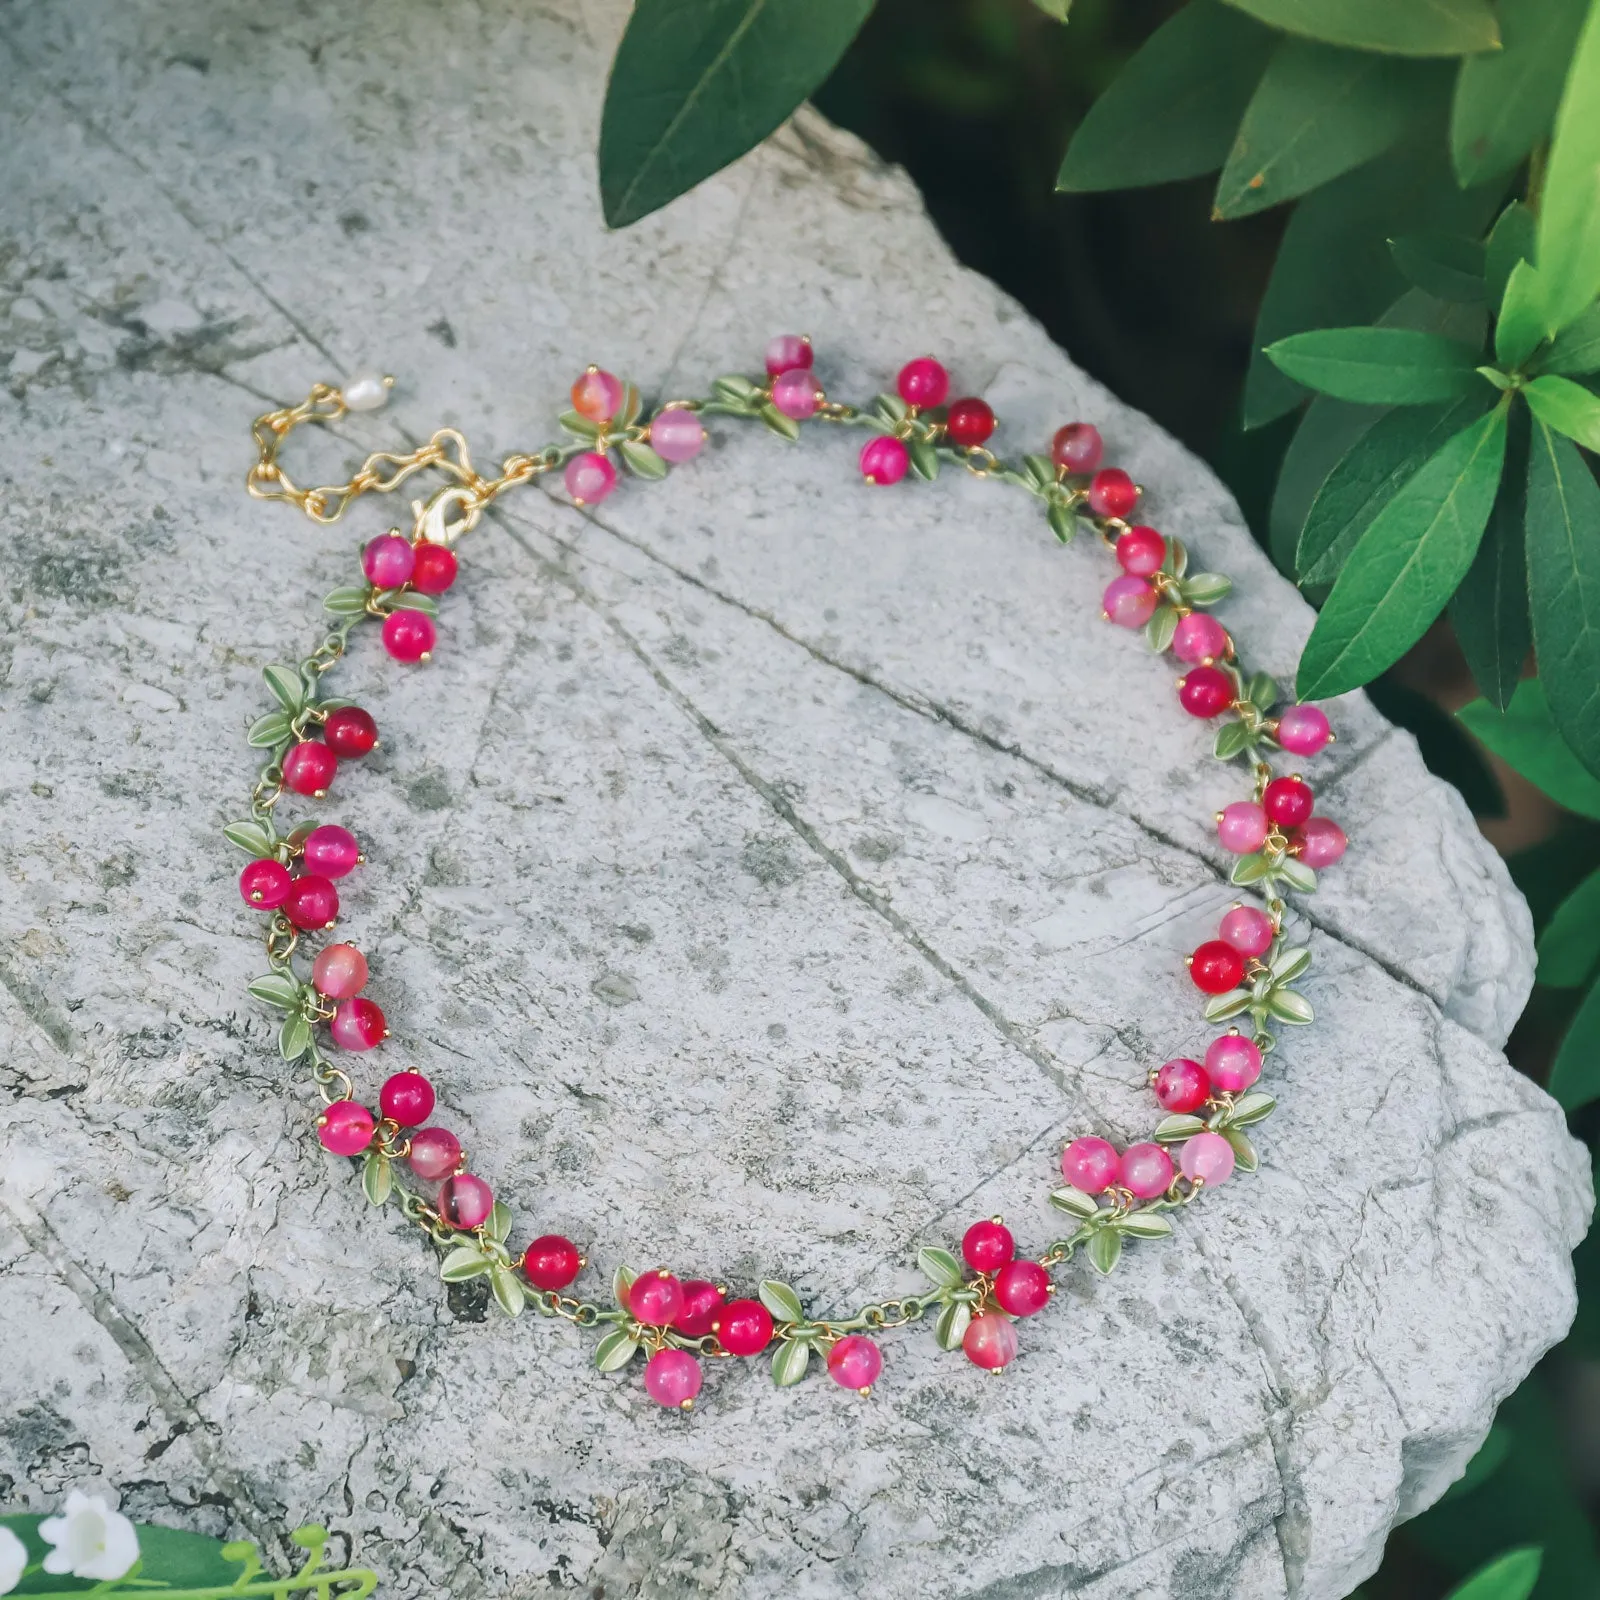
x=974 y=1299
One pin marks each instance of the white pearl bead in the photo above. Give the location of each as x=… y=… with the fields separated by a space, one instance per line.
x=365 y=392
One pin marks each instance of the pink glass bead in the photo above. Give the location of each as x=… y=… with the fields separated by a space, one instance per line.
x=884 y=460
x=407 y=1099
x=340 y=971
x=311 y=902
x=677 y=435
x=1146 y=1170
x=597 y=395
x=787 y=352
x=1206 y=1158
x=465 y=1201
x=656 y=1298
x=589 y=478
x=1182 y=1085
x=1249 y=931
x=672 y=1378
x=357 y=1025
x=346 y=1128
x=987 y=1245
x=702 y=1301
x=265 y=884
x=331 y=851
x=1022 y=1288
x=990 y=1341
x=409 y=636
x=1233 y=1063
x=1112 y=493
x=794 y=393
x=1077 y=447
x=855 y=1362
x=1090 y=1164
x=1199 y=638
x=308 y=767
x=1322 y=842
x=1141 y=551
x=1303 y=730
x=1242 y=827
x=923 y=382
x=435 y=1153
x=388 y=561
x=1128 y=601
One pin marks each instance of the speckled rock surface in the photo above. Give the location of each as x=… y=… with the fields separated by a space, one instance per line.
x=771 y=873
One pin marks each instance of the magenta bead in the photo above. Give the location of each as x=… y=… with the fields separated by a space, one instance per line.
x=309 y=767
x=340 y=971
x=1233 y=1063
x=346 y=1128
x=1141 y=551
x=677 y=435
x=331 y=851
x=465 y=1201
x=923 y=382
x=409 y=636
x=435 y=1153
x=1206 y=1158
x=884 y=460
x=990 y=1341
x=794 y=393
x=987 y=1246
x=312 y=902
x=1182 y=1085
x=407 y=1099
x=1128 y=601
x=1242 y=827
x=672 y=1378
x=265 y=884
x=1112 y=493
x=597 y=395
x=1322 y=842
x=1022 y=1288
x=589 y=478
x=1249 y=931
x=787 y=352
x=1090 y=1164
x=1146 y=1171
x=388 y=560
x=357 y=1025
x=1199 y=638
x=855 y=1362
x=1077 y=447
x=1205 y=692
x=1303 y=730
x=656 y=1298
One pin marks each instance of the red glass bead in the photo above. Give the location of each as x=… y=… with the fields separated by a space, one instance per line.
x=330 y=851
x=969 y=423
x=409 y=636
x=308 y=767
x=1077 y=447
x=1146 y=1170
x=855 y=1362
x=988 y=1245
x=1205 y=691
x=701 y=1303
x=350 y=732
x=1182 y=1085
x=435 y=1153
x=346 y=1128
x=1112 y=493
x=435 y=568
x=1320 y=842
x=388 y=561
x=1140 y=551
x=990 y=1341
x=786 y=352
x=357 y=1025
x=884 y=460
x=656 y=1298
x=673 y=1378
x=1288 y=801
x=551 y=1262
x=1216 y=967
x=265 y=884
x=311 y=902
x=923 y=382
x=339 y=971
x=743 y=1327
x=1022 y=1288
x=465 y=1201
x=406 y=1098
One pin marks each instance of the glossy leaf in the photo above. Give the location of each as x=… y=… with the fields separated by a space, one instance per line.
x=789 y=1362
x=1178 y=1127
x=1074 y=1202
x=781 y=1301
x=1577 y=347
x=285 y=684
x=924 y=459
x=1442 y=264
x=507 y=1290
x=377 y=1180
x=939 y=1266
x=1297 y=875
x=641 y=460
x=463 y=1263
x=1523 y=323
x=1567 y=407
x=277 y=989
x=1440 y=28
x=1407 y=564
x=1287 y=1006
x=1327 y=431
x=696 y=83
x=1224 y=1007
x=270 y=730
x=1145 y=1225
x=346 y=602
x=1524 y=736
x=1509 y=241
x=294 y=1037
x=1569 y=217
x=1105 y=1250
x=621 y=1283
x=1379 y=366
x=1199 y=68
x=1510 y=1577
x=951 y=1326
x=1244 y=1153
x=1232 y=739
x=1252 y=1108
x=615 y=1350
x=1564 y=586
x=498 y=1226
x=1505 y=99
x=250 y=836
x=1159 y=630
x=1569 y=946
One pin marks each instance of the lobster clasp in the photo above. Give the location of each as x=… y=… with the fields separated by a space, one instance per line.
x=451 y=512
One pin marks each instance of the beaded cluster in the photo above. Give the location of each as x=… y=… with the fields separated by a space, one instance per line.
x=1109 y=1197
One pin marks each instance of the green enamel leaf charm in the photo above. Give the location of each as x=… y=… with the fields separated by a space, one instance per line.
x=789 y=1361
x=615 y=1350
x=938 y=1265
x=781 y=1301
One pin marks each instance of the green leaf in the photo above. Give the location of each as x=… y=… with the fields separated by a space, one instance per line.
x=1231 y=739
x=938 y=1265
x=1328 y=429
x=1074 y=1202
x=1249 y=869
x=579 y=426
x=1262 y=691
x=641 y=460
x=1063 y=521
x=498 y=1226
x=377 y=1180
x=1178 y=1127
x=1040 y=471
x=621 y=1283
x=1158 y=631
x=1317 y=112
x=1055 y=9
x=507 y=1290
x=1509 y=241
x=951 y=1326
x=1379 y=366
x=924 y=458
x=1440 y=28
x=346 y=602
x=169 y=1560
x=1287 y=1006
x=269 y=731
x=1224 y=1007
x=628 y=411
x=1251 y=1108
x=784 y=427
x=1569 y=947
x=1407 y=563
x=696 y=83
x=1144 y=1225
x=1369 y=475
x=294 y=1037
x=615 y=1350
x=1297 y=875
x=277 y=989
x=1577 y=347
x=1524 y=736
x=285 y=683
x=735 y=390
x=789 y=1362
x=1244 y=1153
x=781 y=1301
x=409 y=600
x=1511 y=1577
x=1567 y=407
x=1199 y=67
x=1490 y=609
x=1290 y=963
x=1564 y=587
x=1523 y=324
x=1105 y=1250
x=1443 y=264
x=466 y=1261
x=1569 y=218
x=251 y=837
x=1206 y=588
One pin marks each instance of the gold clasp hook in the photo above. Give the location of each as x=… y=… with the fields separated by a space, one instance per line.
x=433 y=519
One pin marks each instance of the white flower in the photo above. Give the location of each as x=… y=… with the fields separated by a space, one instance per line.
x=13 y=1558
x=91 y=1540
